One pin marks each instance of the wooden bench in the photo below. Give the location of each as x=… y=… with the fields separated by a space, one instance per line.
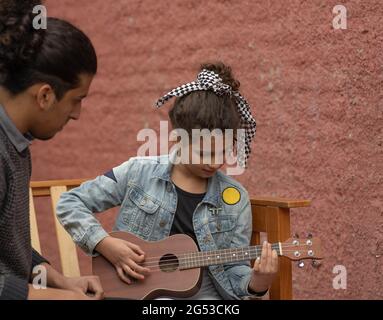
x=271 y=215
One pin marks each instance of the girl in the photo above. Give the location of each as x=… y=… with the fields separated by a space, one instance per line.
x=165 y=195
x=44 y=75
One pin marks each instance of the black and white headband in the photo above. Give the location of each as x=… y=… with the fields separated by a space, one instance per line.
x=209 y=80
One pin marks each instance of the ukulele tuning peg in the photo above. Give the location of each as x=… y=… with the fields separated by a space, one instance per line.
x=301 y=264
x=315 y=263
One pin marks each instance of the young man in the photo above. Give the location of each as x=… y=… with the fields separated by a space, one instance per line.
x=44 y=75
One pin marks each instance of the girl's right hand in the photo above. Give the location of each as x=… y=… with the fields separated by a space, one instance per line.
x=125 y=256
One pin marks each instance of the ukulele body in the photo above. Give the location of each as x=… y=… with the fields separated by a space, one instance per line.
x=165 y=278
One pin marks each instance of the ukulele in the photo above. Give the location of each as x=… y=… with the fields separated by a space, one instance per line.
x=175 y=264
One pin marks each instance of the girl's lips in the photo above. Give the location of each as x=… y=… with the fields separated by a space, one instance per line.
x=208 y=171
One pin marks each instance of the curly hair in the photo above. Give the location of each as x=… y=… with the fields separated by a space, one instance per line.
x=205 y=109
x=18 y=42
x=57 y=55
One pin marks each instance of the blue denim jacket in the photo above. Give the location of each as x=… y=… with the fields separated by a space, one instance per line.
x=148 y=200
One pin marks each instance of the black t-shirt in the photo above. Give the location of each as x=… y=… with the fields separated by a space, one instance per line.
x=183 y=223
x=183 y=219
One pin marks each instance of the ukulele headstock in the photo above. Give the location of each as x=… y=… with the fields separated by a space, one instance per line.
x=302 y=248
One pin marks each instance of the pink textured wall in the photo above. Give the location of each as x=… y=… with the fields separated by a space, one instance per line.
x=317 y=96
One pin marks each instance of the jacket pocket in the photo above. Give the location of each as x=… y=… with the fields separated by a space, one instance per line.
x=222 y=228
x=143 y=201
x=140 y=212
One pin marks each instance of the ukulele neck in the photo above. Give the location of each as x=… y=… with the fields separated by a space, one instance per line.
x=207 y=258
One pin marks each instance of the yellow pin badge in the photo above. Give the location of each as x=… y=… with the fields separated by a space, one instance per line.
x=231 y=196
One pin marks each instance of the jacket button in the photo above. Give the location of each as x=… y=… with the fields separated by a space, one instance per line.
x=143 y=202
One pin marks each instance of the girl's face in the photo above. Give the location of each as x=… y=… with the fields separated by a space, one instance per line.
x=206 y=159
x=49 y=122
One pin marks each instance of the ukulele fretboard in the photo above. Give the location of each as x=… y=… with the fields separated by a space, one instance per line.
x=207 y=258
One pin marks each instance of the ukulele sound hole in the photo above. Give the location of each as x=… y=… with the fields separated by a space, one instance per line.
x=169 y=263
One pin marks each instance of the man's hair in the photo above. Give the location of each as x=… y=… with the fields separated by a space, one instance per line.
x=56 y=56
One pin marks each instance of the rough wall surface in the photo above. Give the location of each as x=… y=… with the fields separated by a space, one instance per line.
x=316 y=93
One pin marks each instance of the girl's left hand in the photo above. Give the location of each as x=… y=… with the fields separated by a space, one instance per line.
x=264 y=270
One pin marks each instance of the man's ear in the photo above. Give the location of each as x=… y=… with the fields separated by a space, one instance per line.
x=45 y=97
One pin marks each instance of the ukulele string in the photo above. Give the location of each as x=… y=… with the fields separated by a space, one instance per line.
x=192 y=260
x=205 y=254
x=249 y=249
x=157 y=267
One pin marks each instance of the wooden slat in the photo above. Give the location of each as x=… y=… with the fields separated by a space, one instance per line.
x=279 y=202
x=256 y=238
x=33 y=222
x=42 y=188
x=259 y=218
x=278 y=229
x=67 y=248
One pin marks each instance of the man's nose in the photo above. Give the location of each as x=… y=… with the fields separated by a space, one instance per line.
x=75 y=115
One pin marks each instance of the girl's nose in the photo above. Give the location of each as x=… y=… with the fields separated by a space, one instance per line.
x=215 y=166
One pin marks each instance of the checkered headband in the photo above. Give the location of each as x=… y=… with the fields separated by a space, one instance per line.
x=209 y=80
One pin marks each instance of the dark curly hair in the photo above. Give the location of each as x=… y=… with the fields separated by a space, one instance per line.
x=205 y=109
x=57 y=55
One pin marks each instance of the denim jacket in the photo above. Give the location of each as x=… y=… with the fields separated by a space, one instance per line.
x=148 y=200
